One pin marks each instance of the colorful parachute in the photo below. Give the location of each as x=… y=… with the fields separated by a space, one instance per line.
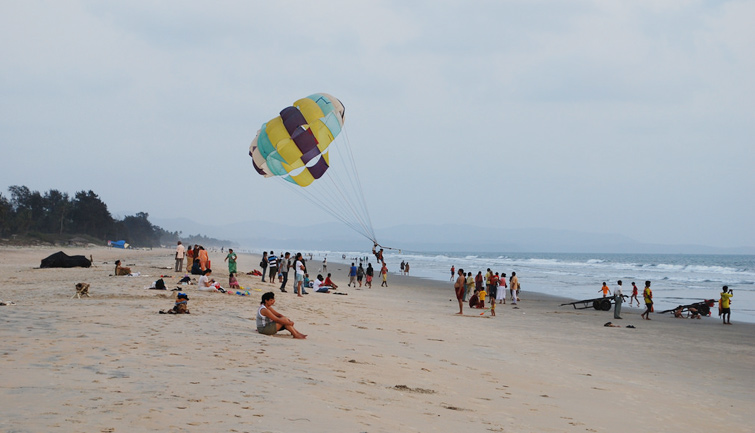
x=295 y=144
x=296 y=147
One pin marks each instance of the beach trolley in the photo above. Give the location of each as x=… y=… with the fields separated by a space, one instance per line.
x=599 y=304
x=702 y=308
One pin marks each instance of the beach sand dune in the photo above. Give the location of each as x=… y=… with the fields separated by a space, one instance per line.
x=377 y=360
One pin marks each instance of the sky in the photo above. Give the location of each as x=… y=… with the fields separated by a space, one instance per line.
x=632 y=118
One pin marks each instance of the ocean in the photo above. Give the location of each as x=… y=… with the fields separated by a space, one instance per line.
x=677 y=279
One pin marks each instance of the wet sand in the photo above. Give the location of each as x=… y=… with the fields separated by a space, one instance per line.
x=377 y=360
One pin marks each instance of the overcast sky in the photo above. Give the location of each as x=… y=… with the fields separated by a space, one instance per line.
x=634 y=118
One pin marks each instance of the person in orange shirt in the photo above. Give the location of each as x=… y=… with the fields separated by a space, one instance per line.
x=203 y=258
x=606 y=291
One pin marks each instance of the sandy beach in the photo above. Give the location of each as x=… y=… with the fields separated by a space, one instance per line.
x=377 y=360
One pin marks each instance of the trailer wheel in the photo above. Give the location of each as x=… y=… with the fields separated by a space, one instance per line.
x=605 y=305
x=597 y=304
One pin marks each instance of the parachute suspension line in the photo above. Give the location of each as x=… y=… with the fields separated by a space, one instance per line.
x=351 y=186
x=339 y=191
x=358 y=183
x=337 y=211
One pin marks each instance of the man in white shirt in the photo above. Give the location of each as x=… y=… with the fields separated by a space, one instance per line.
x=317 y=285
x=180 y=251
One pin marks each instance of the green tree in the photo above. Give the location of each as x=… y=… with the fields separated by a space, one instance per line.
x=57 y=206
x=90 y=215
x=139 y=231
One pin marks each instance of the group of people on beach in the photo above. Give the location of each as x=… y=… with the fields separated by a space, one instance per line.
x=724 y=307
x=477 y=288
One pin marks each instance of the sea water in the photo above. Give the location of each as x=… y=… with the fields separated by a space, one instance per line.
x=677 y=279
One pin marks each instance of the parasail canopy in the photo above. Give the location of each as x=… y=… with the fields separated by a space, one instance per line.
x=296 y=147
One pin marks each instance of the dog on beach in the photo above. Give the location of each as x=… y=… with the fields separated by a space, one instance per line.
x=82 y=289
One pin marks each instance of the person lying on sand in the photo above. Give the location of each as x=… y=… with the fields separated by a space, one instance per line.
x=269 y=321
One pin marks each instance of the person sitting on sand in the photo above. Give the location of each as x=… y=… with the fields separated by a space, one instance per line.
x=474 y=300
x=120 y=270
x=329 y=282
x=196 y=269
x=269 y=321
x=207 y=283
x=233 y=283
x=319 y=286
x=181 y=306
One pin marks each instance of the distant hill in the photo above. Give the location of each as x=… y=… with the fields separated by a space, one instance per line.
x=431 y=238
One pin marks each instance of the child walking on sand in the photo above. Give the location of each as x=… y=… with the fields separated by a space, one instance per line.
x=634 y=295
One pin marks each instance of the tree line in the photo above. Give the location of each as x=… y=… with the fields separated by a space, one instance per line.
x=27 y=212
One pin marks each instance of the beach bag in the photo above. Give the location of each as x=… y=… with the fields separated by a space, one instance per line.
x=262 y=264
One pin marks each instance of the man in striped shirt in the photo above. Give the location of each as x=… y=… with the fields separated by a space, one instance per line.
x=272 y=263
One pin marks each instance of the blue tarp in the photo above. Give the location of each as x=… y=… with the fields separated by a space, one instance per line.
x=117 y=244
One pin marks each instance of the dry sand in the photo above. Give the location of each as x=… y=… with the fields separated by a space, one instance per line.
x=378 y=360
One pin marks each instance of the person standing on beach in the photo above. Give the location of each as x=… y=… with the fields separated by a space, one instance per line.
x=272 y=261
x=406 y=268
x=478 y=281
x=369 y=273
x=618 y=297
x=647 y=294
x=514 y=288
x=352 y=275
x=606 y=291
x=298 y=273
x=384 y=273
x=494 y=287
x=725 y=303
x=189 y=258
x=285 y=263
x=453 y=273
x=634 y=295
x=231 y=258
x=263 y=265
x=470 y=286
x=489 y=283
x=501 y=294
x=204 y=258
x=460 y=289
x=179 y=257
x=360 y=274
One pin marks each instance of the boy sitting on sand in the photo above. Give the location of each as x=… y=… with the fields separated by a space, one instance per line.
x=181 y=306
